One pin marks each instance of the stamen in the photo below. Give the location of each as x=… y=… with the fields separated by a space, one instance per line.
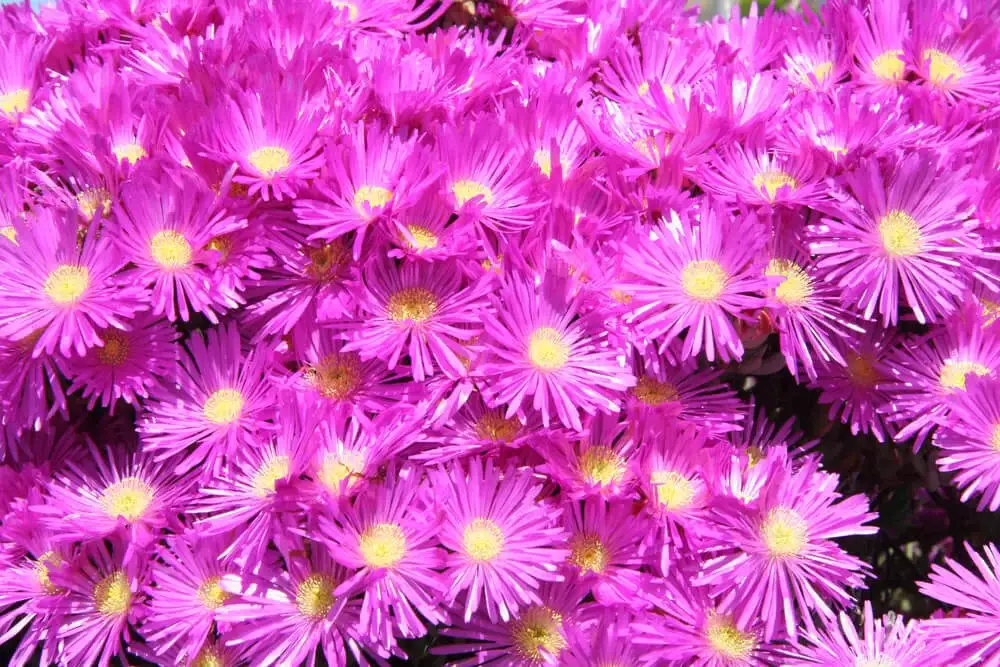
x=224 y=406
x=482 y=540
x=547 y=350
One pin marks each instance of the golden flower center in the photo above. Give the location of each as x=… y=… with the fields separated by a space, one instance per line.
x=270 y=160
x=15 y=102
x=466 y=190
x=674 y=491
x=41 y=568
x=326 y=260
x=543 y=160
x=349 y=7
x=900 y=234
x=67 y=283
x=727 y=640
x=421 y=238
x=222 y=245
x=772 y=180
x=943 y=67
x=602 y=466
x=547 y=350
x=114 y=352
x=9 y=232
x=170 y=249
x=954 y=372
x=224 y=406
x=703 y=279
x=588 y=553
x=822 y=70
x=211 y=594
x=995 y=437
x=861 y=370
x=337 y=376
x=89 y=201
x=133 y=152
x=129 y=497
x=797 y=286
x=654 y=393
x=889 y=65
x=371 y=198
x=335 y=468
x=113 y=594
x=210 y=656
x=784 y=532
x=482 y=540
x=493 y=427
x=538 y=634
x=314 y=596
x=268 y=474
x=416 y=304
x=383 y=545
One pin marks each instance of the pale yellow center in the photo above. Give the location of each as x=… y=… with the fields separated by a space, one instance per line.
x=538 y=634
x=350 y=7
x=270 y=160
x=370 y=198
x=91 y=200
x=224 y=406
x=67 y=283
x=493 y=427
x=421 y=238
x=268 y=474
x=15 y=102
x=674 y=491
x=889 y=65
x=703 y=279
x=314 y=596
x=727 y=640
x=132 y=152
x=129 y=497
x=784 y=532
x=113 y=594
x=416 y=304
x=222 y=245
x=878 y=661
x=900 y=234
x=383 y=545
x=326 y=261
x=543 y=160
x=943 y=67
x=482 y=540
x=653 y=393
x=547 y=350
x=41 y=568
x=797 y=286
x=466 y=190
x=822 y=70
x=602 y=466
x=337 y=376
x=954 y=372
x=861 y=370
x=9 y=232
x=210 y=656
x=772 y=180
x=211 y=594
x=114 y=352
x=335 y=468
x=170 y=249
x=588 y=553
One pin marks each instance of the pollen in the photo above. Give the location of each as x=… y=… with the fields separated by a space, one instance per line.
x=900 y=234
x=773 y=180
x=270 y=160
x=15 y=102
x=41 y=568
x=538 y=634
x=211 y=594
x=113 y=594
x=224 y=406
x=943 y=68
x=654 y=393
x=889 y=65
x=129 y=497
x=268 y=474
x=335 y=468
x=114 y=352
x=314 y=596
x=954 y=372
x=482 y=540
x=326 y=261
x=493 y=427
x=466 y=190
x=876 y=661
x=67 y=283
x=643 y=89
x=784 y=532
x=132 y=152
x=420 y=238
x=674 y=491
x=703 y=279
x=547 y=350
x=797 y=286
x=822 y=70
x=727 y=640
x=210 y=656
x=92 y=200
x=222 y=245
x=543 y=160
x=995 y=437
x=861 y=370
x=416 y=304
x=337 y=376
x=588 y=553
x=602 y=466
x=9 y=232
x=382 y=545
x=350 y=7
x=170 y=249
x=371 y=198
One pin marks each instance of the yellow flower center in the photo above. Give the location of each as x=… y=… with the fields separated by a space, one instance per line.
x=421 y=238
x=9 y=232
x=674 y=491
x=889 y=65
x=991 y=310
x=41 y=568
x=784 y=532
x=224 y=406
x=482 y=540
x=588 y=553
x=326 y=261
x=773 y=180
x=372 y=196
x=797 y=286
x=211 y=594
x=466 y=190
x=170 y=249
x=543 y=160
x=727 y=640
x=538 y=634
x=900 y=234
x=822 y=70
x=129 y=497
x=547 y=350
x=222 y=245
x=383 y=545
x=89 y=201
x=114 y=352
x=861 y=370
x=602 y=466
x=954 y=372
x=943 y=67
x=493 y=427
x=337 y=376
x=878 y=661
x=335 y=468
x=269 y=473
x=270 y=160
x=15 y=102
x=352 y=9
x=653 y=393
x=67 y=283
x=113 y=594
x=210 y=656
x=416 y=304
x=133 y=152
x=314 y=596
x=703 y=279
